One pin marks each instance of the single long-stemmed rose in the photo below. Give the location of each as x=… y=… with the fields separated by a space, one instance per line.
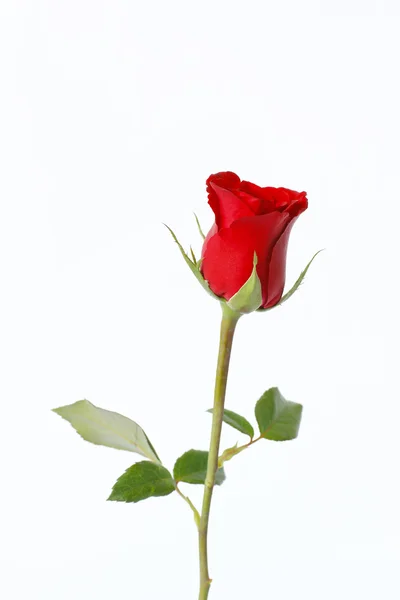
x=242 y=265
x=250 y=221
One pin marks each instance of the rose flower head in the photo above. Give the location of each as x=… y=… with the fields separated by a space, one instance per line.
x=250 y=221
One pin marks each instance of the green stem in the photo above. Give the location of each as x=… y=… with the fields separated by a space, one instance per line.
x=228 y=324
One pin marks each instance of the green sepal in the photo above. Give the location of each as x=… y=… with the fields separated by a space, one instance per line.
x=249 y=297
x=199 y=227
x=191 y=467
x=106 y=428
x=142 y=480
x=278 y=419
x=194 y=259
x=237 y=422
x=295 y=287
x=194 y=266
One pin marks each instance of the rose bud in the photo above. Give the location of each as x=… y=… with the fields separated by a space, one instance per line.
x=244 y=253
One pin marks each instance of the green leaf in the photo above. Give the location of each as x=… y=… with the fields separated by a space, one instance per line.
x=249 y=297
x=142 y=480
x=191 y=467
x=237 y=421
x=199 y=227
x=277 y=418
x=107 y=428
x=193 y=266
x=296 y=285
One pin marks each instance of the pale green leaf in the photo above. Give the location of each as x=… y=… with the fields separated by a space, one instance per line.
x=106 y=428
x=142 y=480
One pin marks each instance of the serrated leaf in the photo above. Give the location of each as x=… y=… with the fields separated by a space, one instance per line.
x=278 y=419
x=107 y=428
x=142 y=480
x=191 y=467
x=249 y=297
x=193 y=266
x=237 y=422
x=199 y=227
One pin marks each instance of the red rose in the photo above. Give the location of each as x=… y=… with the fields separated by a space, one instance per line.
x=248 y=219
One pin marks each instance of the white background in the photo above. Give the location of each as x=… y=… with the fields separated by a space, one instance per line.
x=113 y=114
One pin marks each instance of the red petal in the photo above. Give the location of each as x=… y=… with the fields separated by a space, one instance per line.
x=266 y=203
x=277 y=262
x=298 y=204
x=277 y=268
x=223 y=197
x=228 y=255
